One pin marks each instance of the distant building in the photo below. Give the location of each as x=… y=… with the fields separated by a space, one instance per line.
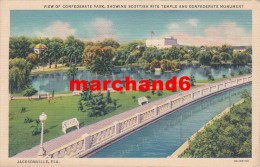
x=239 y=48
x=39 y=48
x=168 y=42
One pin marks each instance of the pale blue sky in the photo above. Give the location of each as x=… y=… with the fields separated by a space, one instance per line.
x=189 y=27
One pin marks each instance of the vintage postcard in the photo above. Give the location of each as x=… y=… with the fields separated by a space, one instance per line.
x=130 y=83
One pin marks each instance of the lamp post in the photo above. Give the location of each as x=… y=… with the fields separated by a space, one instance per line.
x=42 y=118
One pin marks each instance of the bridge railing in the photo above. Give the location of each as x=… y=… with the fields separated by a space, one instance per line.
x=89 y=142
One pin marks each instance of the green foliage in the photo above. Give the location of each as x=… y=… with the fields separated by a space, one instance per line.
x=19 y=47
x=241 y=58
x=80 y=106
x=73 y=49
x=211 y=77
x=19 y=71
x=224 y=76
x=72 y=72
x=28 y=120
x=30 y=92
x=115 y=103
x=192 y=80
x=23 y=109
x=159 y=93
x=227 y=137
x=204 y=57
x=108 y=97
x=37 y=129
x=96 y=106
x=245 y=95
x=99 y=59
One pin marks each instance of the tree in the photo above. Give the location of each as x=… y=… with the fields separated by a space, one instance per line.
x=226 y=49
x=133 y=57
x=166 y=65
x=55 y=50
x=155 y=64
x=204 y=57
x=73 y=48
x=245 y=95
x=80 y=106
x=241 y=58
x=99 y=59
x=216 y=59
x=225 y=56
x=72 y=72
x=151 y=54
x=192 y=80
x=108 y=97
x=33 y=59
x=29 y=92
x=52 y=95
x=19 y=47
x=19 y=71
x=109 y=42
x=96 y=106
x=115 y=103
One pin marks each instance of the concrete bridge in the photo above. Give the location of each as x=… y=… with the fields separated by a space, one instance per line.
x=87 y=140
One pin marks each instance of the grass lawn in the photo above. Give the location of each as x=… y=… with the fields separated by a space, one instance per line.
x=59 y=68
x=20 y=133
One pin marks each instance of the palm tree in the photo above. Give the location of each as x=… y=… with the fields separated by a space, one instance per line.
x=101 y=67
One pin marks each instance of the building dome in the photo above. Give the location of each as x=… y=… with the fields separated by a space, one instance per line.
x=39 y=48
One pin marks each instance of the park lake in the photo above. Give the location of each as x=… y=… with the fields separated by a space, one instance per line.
x=59 y=81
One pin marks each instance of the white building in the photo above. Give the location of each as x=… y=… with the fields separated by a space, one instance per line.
x=168 y=42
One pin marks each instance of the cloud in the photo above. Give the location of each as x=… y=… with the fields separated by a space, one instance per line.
x=225 y=33
x=193 y=22
x=101 y=28
x=57 y=29
x=173 y=26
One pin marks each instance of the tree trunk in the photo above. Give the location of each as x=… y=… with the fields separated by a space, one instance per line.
x=49 y=62
x=55 y=63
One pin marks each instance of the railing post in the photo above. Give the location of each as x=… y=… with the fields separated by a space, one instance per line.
x=169 y=104
x=156 y=111
x=138 y=117
x=86 y=141
x=201 y=92
x=117 y=128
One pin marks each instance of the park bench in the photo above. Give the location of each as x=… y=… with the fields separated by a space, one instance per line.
x=69 y=123
x=43 y=94
x=76 y=92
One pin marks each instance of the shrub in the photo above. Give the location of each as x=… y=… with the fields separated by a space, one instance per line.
x=159 y=93
x=27 y=120
x=23 y=109
x=211 y=77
